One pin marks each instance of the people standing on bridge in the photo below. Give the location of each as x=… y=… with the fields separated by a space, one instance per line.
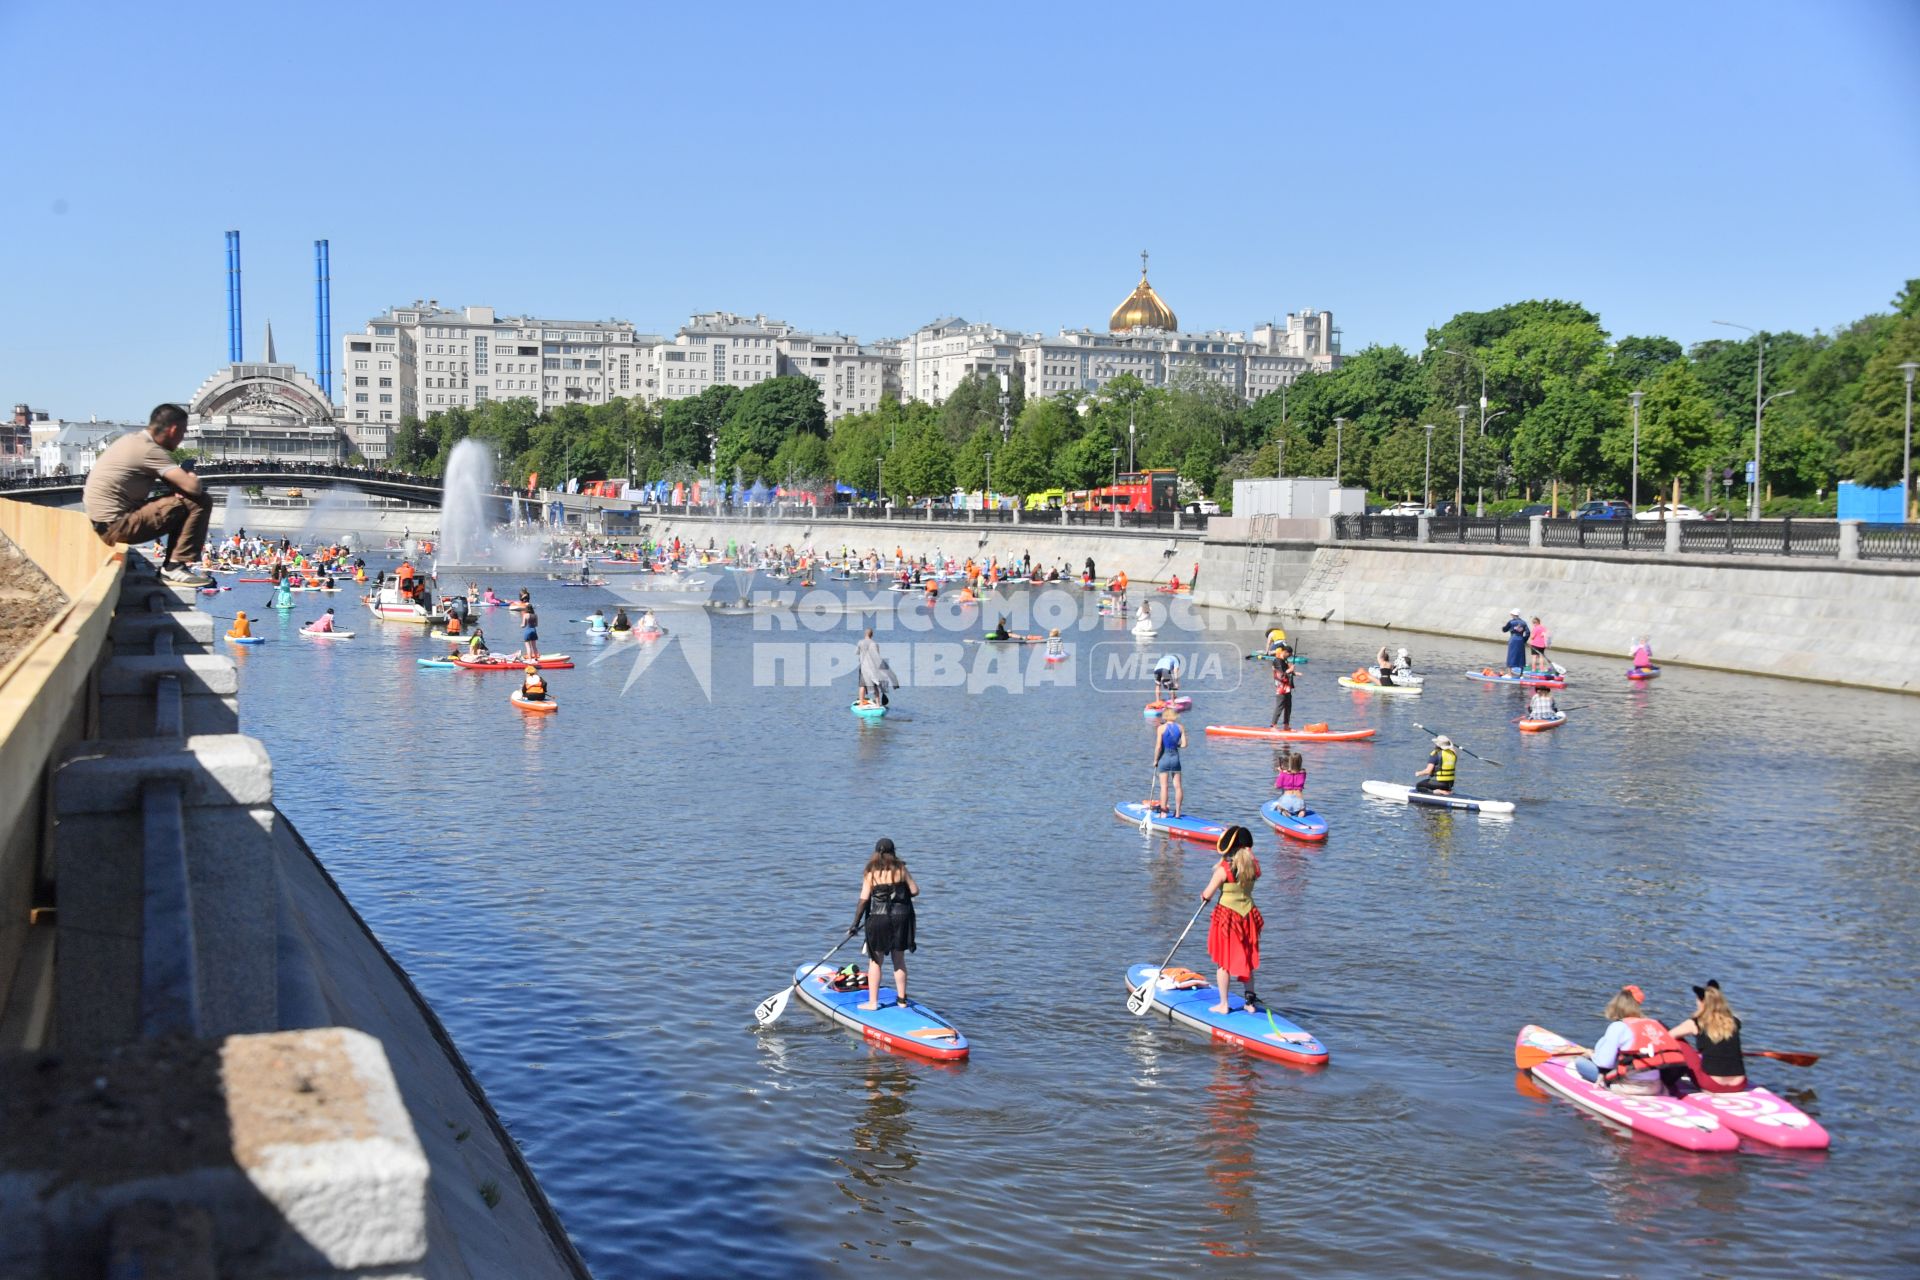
x=116 y=492
x=1516 y=632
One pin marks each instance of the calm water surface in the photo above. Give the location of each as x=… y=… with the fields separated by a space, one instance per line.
x=594 y=902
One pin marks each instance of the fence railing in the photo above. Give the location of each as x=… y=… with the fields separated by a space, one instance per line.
x=1813 y=539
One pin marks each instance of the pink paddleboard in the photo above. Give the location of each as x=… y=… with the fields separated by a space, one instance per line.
x=1669 y=1119
x=1760 y=1115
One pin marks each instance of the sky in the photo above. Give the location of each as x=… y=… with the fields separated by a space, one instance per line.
x=865 y=168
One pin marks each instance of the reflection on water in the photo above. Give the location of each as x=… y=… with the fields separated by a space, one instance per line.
x=595 y=900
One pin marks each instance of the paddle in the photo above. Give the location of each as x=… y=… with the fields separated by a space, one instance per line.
x=1782 y=1055
x=773 y=1006
x=1434 y=733
x=1142 y=998
x=1526 y=1056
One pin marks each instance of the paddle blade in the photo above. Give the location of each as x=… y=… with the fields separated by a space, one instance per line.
x=1142 y=998
x=1537 y=1045
x=768 y=1010
x=1782 y=1055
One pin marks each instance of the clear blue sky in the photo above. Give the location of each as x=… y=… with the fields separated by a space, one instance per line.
x=866 y=168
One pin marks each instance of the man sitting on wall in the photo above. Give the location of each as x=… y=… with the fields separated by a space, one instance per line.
x=121 y=481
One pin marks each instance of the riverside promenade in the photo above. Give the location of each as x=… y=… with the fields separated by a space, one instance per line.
x=208 y=1065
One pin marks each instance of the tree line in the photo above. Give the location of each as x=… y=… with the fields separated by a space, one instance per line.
x=1558 y=388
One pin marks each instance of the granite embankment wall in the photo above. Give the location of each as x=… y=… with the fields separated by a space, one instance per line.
x=1834 y=622
x=208 y=1065
x=1146 y=555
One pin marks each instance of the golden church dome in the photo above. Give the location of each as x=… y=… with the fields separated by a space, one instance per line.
x=1143 y=307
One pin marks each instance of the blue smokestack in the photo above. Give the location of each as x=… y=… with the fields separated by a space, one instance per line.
x=323 y=317
x=236 y=347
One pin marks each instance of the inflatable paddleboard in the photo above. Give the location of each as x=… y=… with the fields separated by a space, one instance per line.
x=1657 y=1116
x=1288 y=735
x=1374 y=686
x=1305 y=825
x=554 y=662
x=253 y=579
x=1264 y=1033
x=1407 y=795
x=246 y=639
x=528 y=704
x=443 y=663
x=908 y=1028
x=650 y=633
x=868 y=710
x=1760 y=1115
x=1187 y=827
x=1531 y=681
x=1643 y=673
x=1057 y=657
x=327 y=635
x=1179 y=702
x=1535 y=726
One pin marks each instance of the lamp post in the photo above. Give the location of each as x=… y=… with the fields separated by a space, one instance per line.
x=1778 y=395
x=1906 y=446
x=1460 y=475
x=1130 y=433
x=986 y=494
x=1006 y=408
x=1759 y=404
x=1339 y=425
x=1633 y=486
x=880 y=483
x=1480 y=499
x=1116 y=466
x=1426 y=490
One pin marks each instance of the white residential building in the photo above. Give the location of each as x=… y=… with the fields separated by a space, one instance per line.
x=70 y=448
x=937 y=357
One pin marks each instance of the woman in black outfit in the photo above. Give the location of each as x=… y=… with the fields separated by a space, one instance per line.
x=887 y=891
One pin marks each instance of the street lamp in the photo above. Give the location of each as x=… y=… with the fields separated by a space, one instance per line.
x=1130 y=430
x=1759 y=374
x=1116 y=466
x=1460 y=475
x=1778 y=395
x=1006 y=408
x=986 y=496
x=1633 y=488
x=1426 y=493
x=880 y=482
x=1480 y=500
x=1339 y=425
x=1906 y=447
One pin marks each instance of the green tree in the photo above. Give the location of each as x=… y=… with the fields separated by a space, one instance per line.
x=1875 y=428
x=1636 y=360
x=763 y=416
x=1398 y=465
x=688 y=427
x=802 y=459
x=970 y=459
x=1087 y=463
x=921 y=465
x=1676 y=429
x=412 y=446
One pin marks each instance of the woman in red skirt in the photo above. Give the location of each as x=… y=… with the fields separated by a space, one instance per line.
x=1233 y=936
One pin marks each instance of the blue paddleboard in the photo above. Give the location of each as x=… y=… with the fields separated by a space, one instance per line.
x=910 y=1028
x=1187 y=827
x=1305 y=825
x=1265 y=1033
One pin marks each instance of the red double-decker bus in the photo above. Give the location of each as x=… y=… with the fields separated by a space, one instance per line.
x=1143 y=491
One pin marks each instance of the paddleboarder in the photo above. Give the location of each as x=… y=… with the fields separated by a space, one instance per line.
x=1233 y=935
x=1442 y=767
x=1635 y=1054
x=529 y=630
x=1516 y=632
x=887 y=891
x=1168 y=738
x=1282 y=687
x=1716 y=1037
x=1537 y=640
x=1290 y=779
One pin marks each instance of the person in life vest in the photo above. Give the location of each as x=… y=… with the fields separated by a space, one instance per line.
x=1233 y=934
x=1636 y=1054
x=405 y=576
x=532 y=687
x=1276 y=640
x=241 y=628
x=1716 y=1034
x=1442 y=766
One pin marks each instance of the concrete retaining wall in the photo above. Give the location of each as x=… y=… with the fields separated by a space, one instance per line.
x=1837 y=624
x=1146 y=556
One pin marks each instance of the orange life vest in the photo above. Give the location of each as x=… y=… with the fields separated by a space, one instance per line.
x=1651 y=1048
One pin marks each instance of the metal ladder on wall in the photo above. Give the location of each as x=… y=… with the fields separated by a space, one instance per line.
x=1325 y=572
x=1257 y=564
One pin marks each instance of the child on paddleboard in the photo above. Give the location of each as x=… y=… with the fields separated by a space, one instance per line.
x=1290 y=776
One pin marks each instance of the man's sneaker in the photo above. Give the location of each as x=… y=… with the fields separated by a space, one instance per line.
x=180 y=576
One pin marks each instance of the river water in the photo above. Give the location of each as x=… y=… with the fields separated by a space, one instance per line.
x=594 y=902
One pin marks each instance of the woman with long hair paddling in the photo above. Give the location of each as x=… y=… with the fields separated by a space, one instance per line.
x=1233 y=936
x=1716 y=1034
x=887 y=891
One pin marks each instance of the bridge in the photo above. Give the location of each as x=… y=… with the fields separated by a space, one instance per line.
x=65 y=490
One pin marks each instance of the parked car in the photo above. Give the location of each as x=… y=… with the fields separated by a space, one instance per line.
x=1537 y=509
x=1603 y=509
x=1202 y=507
x=1447 y=509
x=1405 y=509
x=1668 y=511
